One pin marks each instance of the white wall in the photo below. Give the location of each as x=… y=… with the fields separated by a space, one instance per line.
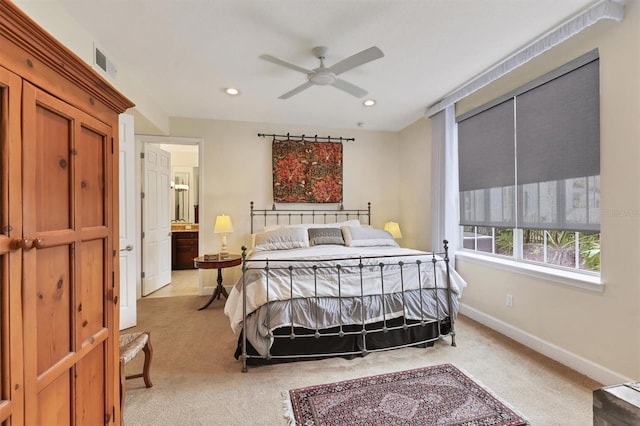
x=415 y=185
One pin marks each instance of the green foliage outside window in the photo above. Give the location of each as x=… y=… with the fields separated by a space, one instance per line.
x=561 y=246
x=504 y=241
x=590 y=251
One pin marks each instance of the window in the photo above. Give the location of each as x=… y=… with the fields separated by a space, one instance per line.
x=529 y=170
x=559 y=249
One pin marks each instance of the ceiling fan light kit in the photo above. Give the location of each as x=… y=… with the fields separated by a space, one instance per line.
x=327 y=76
x=322 y=78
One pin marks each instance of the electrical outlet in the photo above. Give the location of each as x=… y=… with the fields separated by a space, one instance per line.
x=509 y=300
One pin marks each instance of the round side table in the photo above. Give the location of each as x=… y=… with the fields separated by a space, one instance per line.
x=203 y=262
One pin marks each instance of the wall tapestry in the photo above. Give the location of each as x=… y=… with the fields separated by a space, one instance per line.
x=307 y=172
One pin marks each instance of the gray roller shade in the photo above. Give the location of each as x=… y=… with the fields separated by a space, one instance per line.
x=558 y=128
x=549 y=131
x=558 y=152
x=486 y=149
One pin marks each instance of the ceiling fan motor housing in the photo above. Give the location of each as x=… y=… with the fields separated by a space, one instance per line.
x=322 y=77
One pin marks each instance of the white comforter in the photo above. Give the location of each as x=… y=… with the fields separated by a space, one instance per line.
x=284 y=284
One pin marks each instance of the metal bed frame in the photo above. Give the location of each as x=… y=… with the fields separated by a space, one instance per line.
x=443 y=324
x=274 y=216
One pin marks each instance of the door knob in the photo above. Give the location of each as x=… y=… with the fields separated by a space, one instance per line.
x=21 y=243
x=38 y=243
x=129 y=247
x=27 y=243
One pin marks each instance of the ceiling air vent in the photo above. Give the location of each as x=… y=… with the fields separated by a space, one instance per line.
x=101 y=60
x=103 y=63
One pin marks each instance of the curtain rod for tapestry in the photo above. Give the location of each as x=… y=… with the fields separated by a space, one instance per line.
x=307 y=138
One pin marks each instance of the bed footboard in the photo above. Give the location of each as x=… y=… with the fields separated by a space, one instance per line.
x=367 y=304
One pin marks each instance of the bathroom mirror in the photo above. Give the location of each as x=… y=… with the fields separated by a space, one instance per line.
x=182 y=189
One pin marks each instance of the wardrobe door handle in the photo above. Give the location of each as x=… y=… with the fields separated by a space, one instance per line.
x=21 y=243
x=38 y=243
x=16 y=243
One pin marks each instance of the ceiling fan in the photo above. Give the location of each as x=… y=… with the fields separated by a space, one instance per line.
x=323 y=76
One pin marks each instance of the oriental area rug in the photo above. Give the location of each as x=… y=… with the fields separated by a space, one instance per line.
x=436 y=395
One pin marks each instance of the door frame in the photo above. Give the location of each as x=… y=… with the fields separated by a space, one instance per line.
x=128 y=267
x=140 y=140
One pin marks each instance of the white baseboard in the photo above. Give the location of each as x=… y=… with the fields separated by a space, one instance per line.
x=582 y=365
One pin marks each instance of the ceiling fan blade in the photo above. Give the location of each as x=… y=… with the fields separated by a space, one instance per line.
x=285 y=63
x=296 y=90
x=351 y=89
x=353 y=61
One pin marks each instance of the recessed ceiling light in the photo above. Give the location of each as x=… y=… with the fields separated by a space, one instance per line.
x=369 y=102
x=232 y=91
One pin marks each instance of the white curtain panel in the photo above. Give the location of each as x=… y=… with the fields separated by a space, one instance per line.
x=444 y=182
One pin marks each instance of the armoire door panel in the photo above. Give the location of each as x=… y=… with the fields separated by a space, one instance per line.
x=54 y=403
x=69 y=277
x=91 y=151
x=90 y=388
x=91 y=292
x=54 y=302
x=52 y=150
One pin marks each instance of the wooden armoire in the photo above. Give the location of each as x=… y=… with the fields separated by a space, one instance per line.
x=59 y=272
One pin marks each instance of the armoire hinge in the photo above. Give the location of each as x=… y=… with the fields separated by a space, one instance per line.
x=112 y=143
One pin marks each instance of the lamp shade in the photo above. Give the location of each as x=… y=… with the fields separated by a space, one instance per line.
x=394 y=229
x=223 y=225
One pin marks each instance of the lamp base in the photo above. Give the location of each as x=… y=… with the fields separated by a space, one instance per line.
x=223 y=254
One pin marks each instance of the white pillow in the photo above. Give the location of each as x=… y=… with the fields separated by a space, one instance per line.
x=350 y=222
x=282 y=239
x=360 y=236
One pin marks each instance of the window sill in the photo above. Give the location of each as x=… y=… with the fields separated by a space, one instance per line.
x=573 y=279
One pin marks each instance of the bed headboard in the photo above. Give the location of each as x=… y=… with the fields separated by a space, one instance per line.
x=277 y=216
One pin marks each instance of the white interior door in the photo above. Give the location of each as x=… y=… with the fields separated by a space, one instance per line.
x=156 y=220
x=127 y=223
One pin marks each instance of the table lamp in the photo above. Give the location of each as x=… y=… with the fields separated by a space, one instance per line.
x=223 y=226
x=394 y=229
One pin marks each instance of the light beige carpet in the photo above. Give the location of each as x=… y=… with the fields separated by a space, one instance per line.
x=183 y=283
x=198 y=382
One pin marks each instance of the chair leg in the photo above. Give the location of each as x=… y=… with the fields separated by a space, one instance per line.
x=122 y=385
x=148 y=354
